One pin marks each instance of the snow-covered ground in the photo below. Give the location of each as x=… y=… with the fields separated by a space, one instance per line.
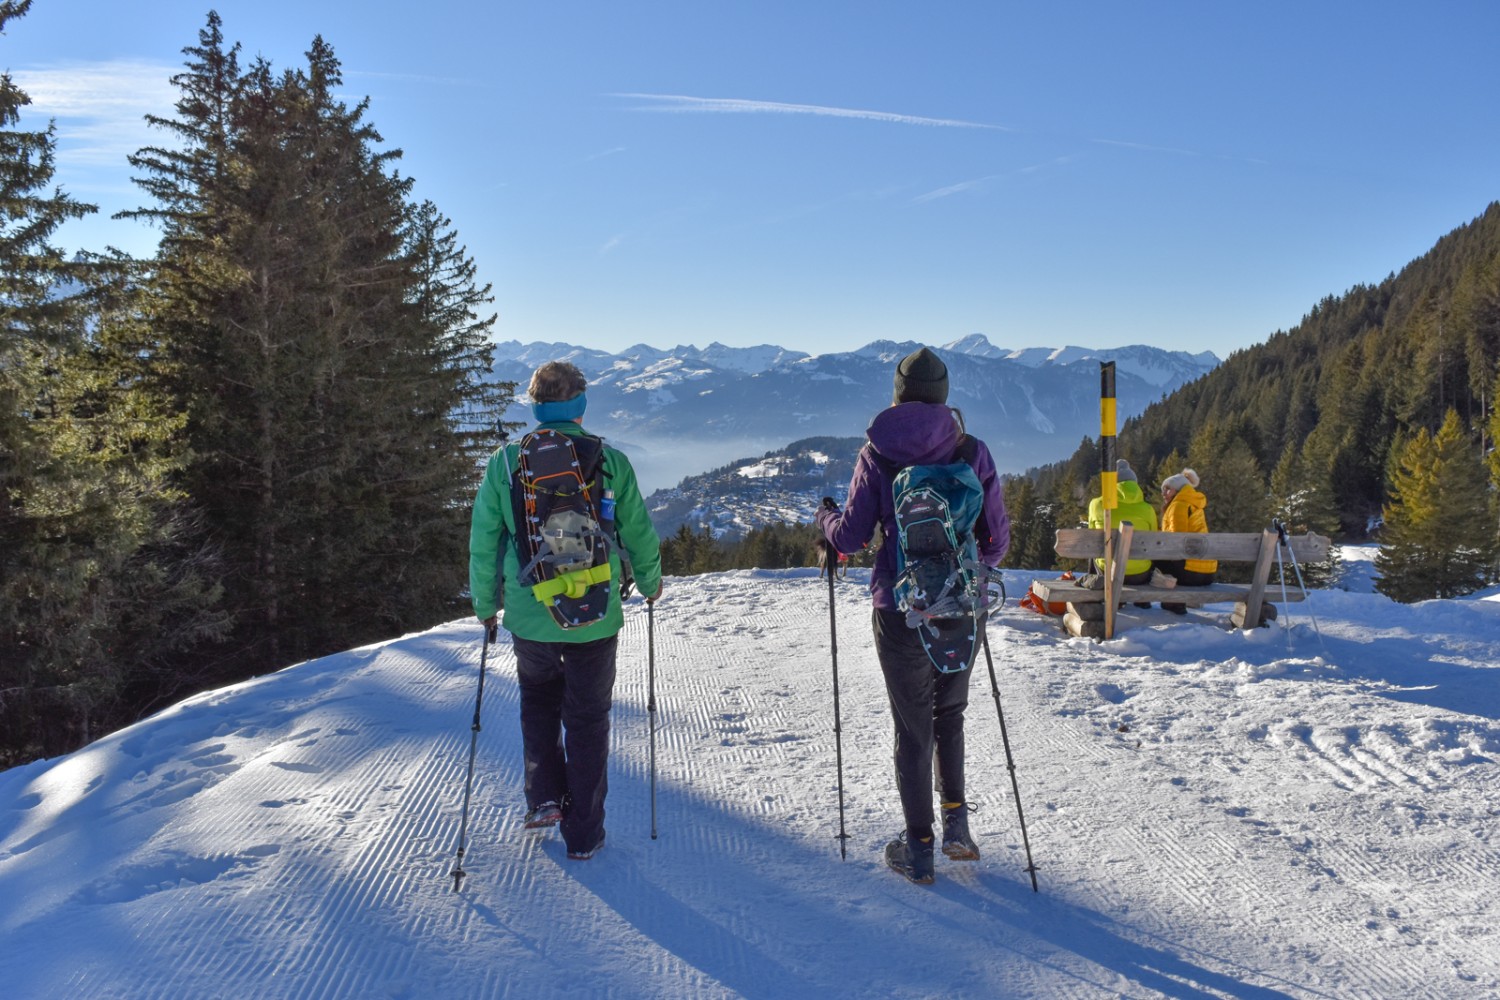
x=1297 y=812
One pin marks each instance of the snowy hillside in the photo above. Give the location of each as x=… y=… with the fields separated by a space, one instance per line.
x=783 y=486
x=1304 y=813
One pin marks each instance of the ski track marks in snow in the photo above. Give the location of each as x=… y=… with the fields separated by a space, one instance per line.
x=1214 y=814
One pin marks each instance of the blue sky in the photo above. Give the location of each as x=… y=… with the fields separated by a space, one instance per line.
x=818 y=175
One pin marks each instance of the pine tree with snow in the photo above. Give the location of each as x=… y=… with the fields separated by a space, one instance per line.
x=1439 y=529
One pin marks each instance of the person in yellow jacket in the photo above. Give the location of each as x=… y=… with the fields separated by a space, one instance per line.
x=1130 y=505
x=1185 y=510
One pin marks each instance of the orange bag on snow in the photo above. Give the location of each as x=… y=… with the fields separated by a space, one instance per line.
x=1041 y=607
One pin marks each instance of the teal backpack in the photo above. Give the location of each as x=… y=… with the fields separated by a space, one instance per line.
x=939 y=578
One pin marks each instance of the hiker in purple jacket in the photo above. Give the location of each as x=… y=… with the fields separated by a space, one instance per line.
x=927 y=706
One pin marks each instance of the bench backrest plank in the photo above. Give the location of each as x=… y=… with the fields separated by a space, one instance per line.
x=1088 y=543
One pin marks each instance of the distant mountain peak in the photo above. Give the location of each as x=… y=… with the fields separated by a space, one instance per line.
x=975 y=344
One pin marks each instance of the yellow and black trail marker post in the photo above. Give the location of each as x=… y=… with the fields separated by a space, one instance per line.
x=1107 y=484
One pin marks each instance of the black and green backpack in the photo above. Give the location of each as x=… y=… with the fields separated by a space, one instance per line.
x=565 y=528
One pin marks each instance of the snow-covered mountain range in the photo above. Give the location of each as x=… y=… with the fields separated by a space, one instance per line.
x=686 y=409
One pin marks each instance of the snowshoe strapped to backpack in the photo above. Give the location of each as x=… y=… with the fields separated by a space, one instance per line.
x=937 y=556
x=564 y=531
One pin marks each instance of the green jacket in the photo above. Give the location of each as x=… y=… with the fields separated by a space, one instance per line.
x=1130 y=506
x=492 y=545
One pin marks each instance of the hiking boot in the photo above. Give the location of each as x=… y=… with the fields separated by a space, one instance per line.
x=957 y=844
x=545 y=815
x=1176 y=609
x=913 y=861
x=585 y=855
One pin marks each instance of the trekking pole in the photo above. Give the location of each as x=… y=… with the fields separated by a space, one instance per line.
x=838 y=738
x=651 y=700
x=490 y=633
x=1281 y=530
x=1010 y=761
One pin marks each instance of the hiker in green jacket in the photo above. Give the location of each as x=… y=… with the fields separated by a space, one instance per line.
x=1130 y=505
x=566 y=675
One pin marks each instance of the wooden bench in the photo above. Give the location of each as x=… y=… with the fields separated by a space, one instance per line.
x=1086 y=609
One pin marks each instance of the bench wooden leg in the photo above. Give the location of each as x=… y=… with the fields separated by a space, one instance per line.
x=1239 y=617
x=1253 y=600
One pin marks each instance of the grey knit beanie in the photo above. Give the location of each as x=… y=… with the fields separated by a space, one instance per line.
x=1123 y=472
x=921 y=377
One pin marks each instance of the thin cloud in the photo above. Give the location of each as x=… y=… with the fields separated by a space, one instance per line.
x=678 y=103
x=953 y=189
x=1148 y=148
x=611 y=244
x=100 y=108
x=602 y=154
x=979 y=183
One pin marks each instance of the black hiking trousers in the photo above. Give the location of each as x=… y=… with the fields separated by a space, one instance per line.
x=927 y=707
x=567 y=690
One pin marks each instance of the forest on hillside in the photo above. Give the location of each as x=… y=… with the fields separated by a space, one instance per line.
x=258 y=445
x=1374 y=417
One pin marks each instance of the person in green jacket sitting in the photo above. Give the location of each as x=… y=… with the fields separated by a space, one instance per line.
x=1130 y=506
x=566 y=675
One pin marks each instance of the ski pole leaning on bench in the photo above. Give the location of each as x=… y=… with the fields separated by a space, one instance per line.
x=1280 y=527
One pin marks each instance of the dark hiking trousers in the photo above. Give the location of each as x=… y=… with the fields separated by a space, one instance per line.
x=1185 y=578
x=927 y=707
x=567 y=689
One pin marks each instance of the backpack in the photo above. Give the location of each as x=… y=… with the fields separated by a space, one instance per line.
x=938 y=586
x=564 y=524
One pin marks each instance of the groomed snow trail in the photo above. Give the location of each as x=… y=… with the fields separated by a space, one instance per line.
x=1214 y=814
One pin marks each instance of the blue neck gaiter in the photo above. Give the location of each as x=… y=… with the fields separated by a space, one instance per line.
x=567 y=409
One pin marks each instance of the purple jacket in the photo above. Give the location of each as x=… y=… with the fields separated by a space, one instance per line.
x=909 y=434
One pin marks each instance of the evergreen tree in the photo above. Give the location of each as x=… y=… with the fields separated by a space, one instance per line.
x=1302 y=499
x=95 y=596
x=448 y=299
x=327 y=351
x=1230 y=478
x=1033 y=526
x=1439 y=529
